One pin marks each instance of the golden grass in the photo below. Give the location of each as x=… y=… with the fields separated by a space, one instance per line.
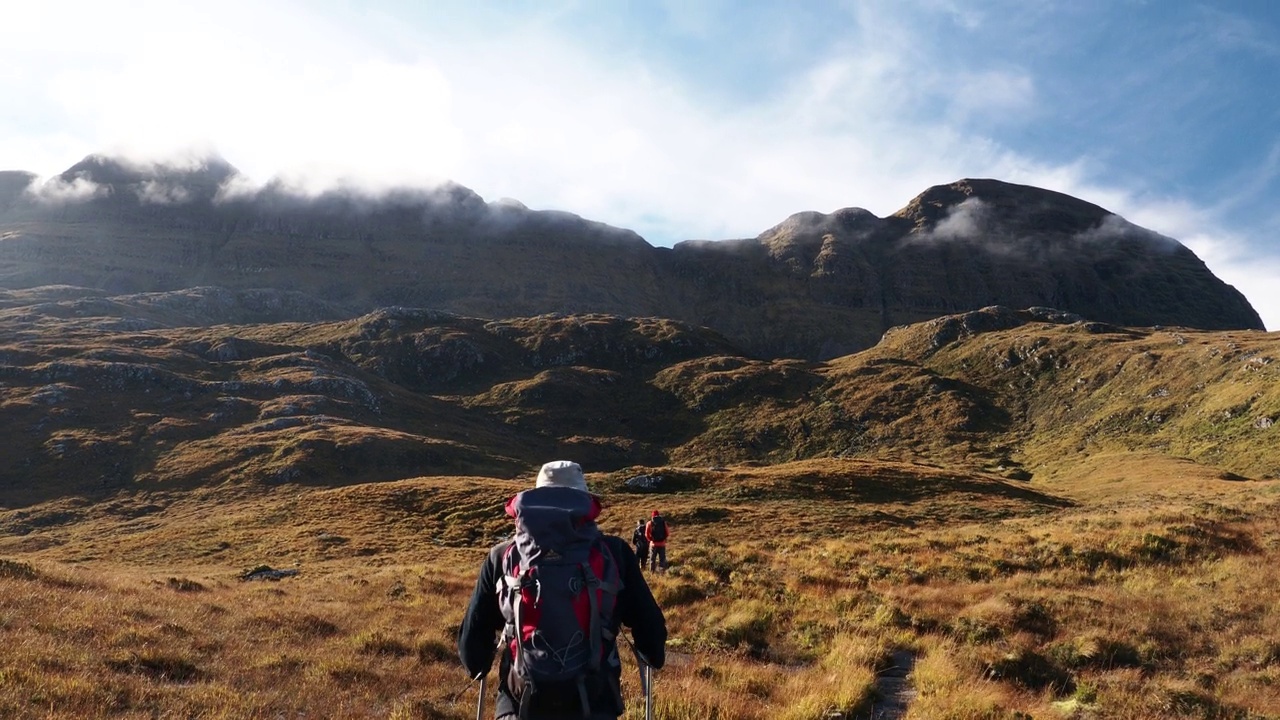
x=112 y=642
x=1156 y=600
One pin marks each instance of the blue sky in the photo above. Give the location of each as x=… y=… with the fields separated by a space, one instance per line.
x=682 y=119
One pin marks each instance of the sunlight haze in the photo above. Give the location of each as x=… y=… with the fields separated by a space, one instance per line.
x=682 y=121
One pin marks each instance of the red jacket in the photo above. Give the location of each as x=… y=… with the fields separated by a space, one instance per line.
x=648 y=533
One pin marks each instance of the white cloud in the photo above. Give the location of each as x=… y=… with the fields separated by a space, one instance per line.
x=273 y=90
x=57 y=191
x=524 y=112
x=527 y=109
x=967 y=220
x=160 y=193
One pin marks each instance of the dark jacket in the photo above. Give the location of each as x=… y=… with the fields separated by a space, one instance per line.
x=483 y=622
x=639 y=540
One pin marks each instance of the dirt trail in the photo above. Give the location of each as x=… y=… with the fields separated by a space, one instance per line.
x=893 y=686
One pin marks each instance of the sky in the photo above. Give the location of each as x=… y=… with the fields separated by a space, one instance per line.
x=684 y=119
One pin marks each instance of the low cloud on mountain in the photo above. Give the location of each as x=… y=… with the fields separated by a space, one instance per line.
x=161 y=193
x=970 y=220
x=1114 y=226
x=60 y=191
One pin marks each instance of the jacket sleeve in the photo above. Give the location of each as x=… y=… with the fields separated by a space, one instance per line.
x=478 y=637
x=638 y=609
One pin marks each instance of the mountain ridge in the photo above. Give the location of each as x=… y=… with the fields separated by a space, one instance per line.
x=815 y=285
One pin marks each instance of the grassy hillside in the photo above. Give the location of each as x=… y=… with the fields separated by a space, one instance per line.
x=1047 y=517
x=98 y=405
x=1024 y=394
x=1150 y=596
x=1073 y=391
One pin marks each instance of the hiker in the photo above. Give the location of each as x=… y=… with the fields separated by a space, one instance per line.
x=657 y=531
x=559 y=592
x=642 y=544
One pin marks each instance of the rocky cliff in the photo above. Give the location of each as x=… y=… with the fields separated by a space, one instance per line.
x=815 y=286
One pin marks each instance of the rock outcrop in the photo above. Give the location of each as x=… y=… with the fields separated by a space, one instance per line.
x=95 y=406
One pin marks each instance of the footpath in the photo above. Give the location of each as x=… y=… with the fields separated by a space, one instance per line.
x=893 y=686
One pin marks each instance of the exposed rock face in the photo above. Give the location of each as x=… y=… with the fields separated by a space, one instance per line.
x=815 y=286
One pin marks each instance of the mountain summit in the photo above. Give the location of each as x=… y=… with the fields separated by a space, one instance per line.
x=814 y=286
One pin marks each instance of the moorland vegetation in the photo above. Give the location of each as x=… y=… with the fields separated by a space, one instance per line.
x=246 y=476
x=1045 y=516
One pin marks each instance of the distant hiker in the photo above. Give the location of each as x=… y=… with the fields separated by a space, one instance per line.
x=657 y=532
x=559 y=592
x=642 y=544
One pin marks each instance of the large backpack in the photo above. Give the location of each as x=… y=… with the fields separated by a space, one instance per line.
x=558 y=592
x=658 y=529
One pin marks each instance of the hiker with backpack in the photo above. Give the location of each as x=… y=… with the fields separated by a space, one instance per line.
x=642 y=544
x=657 y=531
x=556 y=596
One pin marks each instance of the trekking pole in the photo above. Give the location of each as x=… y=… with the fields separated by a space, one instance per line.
x=646 y=680
x=647 y=673
x=484 y=680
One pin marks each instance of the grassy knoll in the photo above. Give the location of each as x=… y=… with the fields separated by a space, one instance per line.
x=1149 y=593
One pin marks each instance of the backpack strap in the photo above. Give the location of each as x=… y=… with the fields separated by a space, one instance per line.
x=593 y=584
x=511 y=585
x=518 y=659
x=614 y=586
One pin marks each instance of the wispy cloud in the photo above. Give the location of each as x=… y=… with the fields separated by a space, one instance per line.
x=1232 y=31
x=160 y=193
x=57 y=191
x=967 y=221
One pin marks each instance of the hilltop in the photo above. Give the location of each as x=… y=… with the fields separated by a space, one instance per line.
x=815 y=286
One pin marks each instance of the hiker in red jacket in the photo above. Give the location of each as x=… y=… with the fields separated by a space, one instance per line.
x=657 y=531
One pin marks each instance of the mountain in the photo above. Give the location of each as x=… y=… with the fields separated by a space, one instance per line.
x=815 y=286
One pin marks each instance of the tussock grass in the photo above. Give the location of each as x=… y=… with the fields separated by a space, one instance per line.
x=1153 y=600
x=17 y=569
